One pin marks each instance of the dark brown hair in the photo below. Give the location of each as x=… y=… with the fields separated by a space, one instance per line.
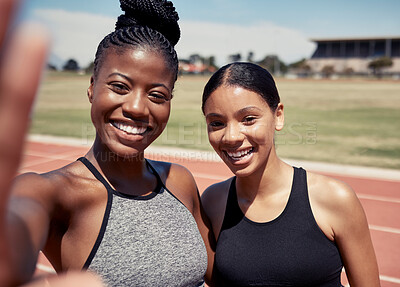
x=248 y=76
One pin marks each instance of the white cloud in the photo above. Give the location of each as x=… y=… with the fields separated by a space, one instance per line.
x=262 y=39
x=77 y=34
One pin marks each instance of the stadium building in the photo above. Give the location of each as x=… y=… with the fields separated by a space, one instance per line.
x=353 y=55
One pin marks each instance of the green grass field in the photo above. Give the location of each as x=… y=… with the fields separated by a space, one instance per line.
x=342 y=121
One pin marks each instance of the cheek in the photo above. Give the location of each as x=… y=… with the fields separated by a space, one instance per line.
x=161 y=114
x=94 y=109
x=261 y=134
x=98 y=107
x=214 y=138
x=165 y=112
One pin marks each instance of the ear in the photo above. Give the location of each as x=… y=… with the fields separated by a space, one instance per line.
x=279 y=117
x=90 y=90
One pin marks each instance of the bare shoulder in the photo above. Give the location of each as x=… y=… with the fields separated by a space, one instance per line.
x=335 y=205
x=173 y=174
x=341 y=217
x=35 y=200
x=49 y=187
x=179 y=181
x=42 y=187
x=180 y=175
x=216 y=193
x=330 y=191
x=214 y=200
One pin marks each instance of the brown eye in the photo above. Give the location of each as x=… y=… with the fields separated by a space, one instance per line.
x=119 y=88
x=216 y=124
x=249 y=120
x=158 y=98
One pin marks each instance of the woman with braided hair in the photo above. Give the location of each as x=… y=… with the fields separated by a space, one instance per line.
x=133 y=221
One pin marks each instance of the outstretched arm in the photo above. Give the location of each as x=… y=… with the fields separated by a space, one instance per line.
x=21 y=63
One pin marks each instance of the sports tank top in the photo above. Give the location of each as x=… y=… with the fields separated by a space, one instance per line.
x=148 y=240
x=290 y=250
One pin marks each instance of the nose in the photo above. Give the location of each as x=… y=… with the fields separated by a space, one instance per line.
x=135 y=105
x=232 y=134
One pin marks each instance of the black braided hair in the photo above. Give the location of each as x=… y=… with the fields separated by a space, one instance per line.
x=151 y=25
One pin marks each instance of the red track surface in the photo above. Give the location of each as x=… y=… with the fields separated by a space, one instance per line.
x=379 y=197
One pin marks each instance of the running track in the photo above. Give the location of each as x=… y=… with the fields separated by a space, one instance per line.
x=378 y=190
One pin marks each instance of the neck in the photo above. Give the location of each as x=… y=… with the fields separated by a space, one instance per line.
x=114 y=163
x=121 y=172
x=266 y=181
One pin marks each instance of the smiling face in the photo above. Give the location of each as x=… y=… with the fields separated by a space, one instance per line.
x=130 y=99
x=241 y=128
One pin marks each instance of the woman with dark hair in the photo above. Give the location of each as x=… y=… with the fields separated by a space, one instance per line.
x=133 y=221
x=276 y=225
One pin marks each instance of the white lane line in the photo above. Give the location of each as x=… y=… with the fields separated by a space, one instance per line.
x=45 y=158
x=389 y=279
x=378 y=198
x=384 y=229
x=381 y=278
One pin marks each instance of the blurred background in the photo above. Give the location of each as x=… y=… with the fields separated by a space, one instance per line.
x=217 y=31
x=336 y=63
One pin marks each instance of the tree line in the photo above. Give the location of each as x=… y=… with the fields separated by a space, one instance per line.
x=270 y=62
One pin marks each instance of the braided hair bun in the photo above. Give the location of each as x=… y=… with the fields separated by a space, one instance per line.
x=159 y=15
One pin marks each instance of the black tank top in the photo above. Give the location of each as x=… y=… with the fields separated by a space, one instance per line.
x=290 y=250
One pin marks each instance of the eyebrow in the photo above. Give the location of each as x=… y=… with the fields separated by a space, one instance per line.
x=213 y=115
x=121 y=75
x=241 y=111
x=247 y=109
x=131 y=81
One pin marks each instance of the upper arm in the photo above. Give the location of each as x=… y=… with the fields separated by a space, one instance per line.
x=214 y=201
x=351 y=233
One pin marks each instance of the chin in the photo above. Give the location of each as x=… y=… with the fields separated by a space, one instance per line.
x=118 y=150
x=242 y=172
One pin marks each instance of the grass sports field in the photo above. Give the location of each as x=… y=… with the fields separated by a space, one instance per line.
x=341 y=121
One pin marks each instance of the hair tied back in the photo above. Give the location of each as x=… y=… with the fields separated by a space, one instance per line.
x=159 y=15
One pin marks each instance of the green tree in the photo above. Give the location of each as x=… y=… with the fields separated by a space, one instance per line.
x=71 y=65
x=348 y=71
x=301 y=67
x=378 y=64
x=302 y=64
x=273 y=64
x=327 y=71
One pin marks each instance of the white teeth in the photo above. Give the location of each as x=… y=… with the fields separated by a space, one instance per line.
x=239 y=154
x=129 y=129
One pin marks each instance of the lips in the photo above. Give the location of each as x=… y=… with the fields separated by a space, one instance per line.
x=239 y=155
x=129 y=128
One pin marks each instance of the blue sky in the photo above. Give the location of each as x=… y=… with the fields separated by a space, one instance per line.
x=224 y=27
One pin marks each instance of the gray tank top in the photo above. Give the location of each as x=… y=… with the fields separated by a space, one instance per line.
x=148 y=240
